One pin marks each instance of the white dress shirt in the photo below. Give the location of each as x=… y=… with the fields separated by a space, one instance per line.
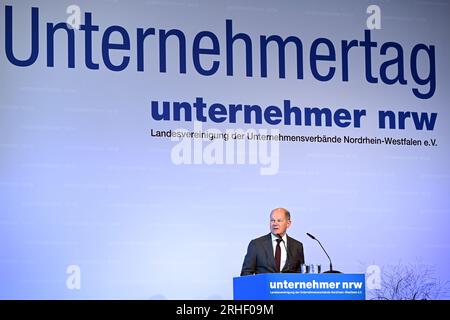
x=283 y=249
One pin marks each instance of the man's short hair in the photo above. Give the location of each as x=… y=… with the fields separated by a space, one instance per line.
x=287 y=214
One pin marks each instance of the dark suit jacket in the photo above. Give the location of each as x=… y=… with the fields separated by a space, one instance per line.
x=260 y=257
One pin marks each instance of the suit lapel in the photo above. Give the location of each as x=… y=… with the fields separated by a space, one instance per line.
x=290 y=249
x=268 y=248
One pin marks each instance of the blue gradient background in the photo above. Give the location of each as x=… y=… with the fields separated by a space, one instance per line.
x=82 y=181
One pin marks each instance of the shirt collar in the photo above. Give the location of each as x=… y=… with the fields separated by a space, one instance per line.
x=274 y=237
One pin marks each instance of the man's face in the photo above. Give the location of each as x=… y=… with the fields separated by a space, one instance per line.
x=278 y=222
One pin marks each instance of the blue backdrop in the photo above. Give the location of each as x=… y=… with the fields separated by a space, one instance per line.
x=96 y=205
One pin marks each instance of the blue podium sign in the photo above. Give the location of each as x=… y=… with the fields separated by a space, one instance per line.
x=296 y=286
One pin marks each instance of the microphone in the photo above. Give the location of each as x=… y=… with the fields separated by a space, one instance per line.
x=287 y=253
x=331 y=265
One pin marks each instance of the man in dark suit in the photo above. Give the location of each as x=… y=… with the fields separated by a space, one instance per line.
x=276 y=251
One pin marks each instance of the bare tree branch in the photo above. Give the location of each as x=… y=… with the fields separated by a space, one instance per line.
x=409 y=282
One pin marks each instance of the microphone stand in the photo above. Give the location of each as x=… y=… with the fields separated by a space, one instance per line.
x=331 y=265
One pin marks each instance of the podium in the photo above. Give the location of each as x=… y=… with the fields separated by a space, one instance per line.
x=297 y=286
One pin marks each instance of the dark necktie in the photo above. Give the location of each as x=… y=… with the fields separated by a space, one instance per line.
x=278 y=256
